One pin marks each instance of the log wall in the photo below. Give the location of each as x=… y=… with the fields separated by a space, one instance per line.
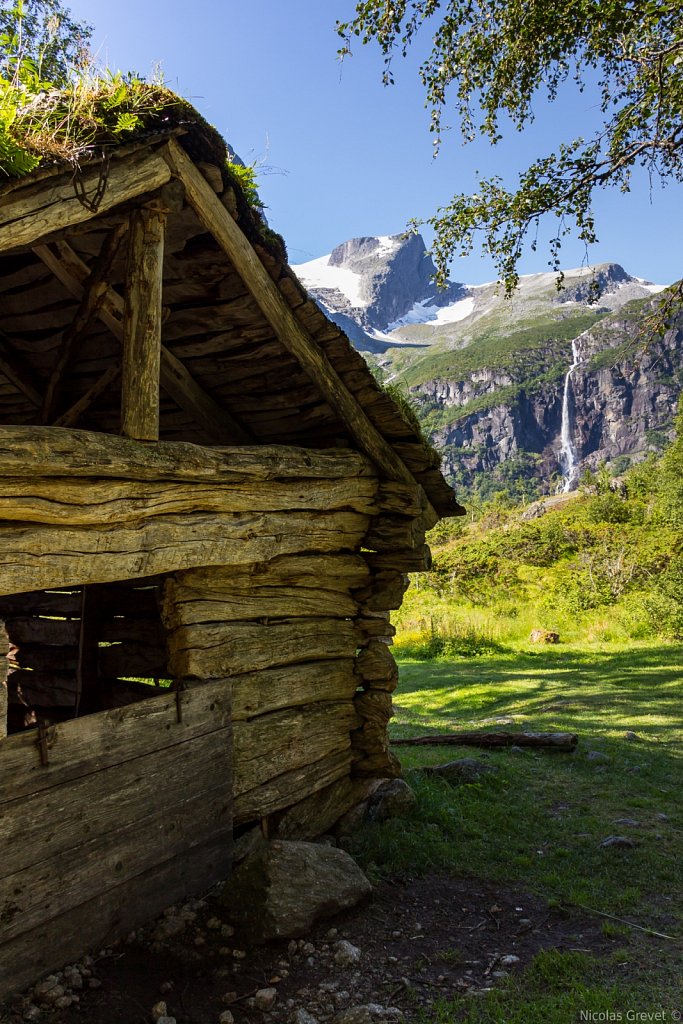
x=283 y=633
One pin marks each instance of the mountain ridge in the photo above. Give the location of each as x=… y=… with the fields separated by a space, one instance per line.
x=487 y=375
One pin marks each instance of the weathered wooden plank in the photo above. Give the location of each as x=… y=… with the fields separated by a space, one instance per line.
x=54 y=451
x=395 y=533
x=93 y=502
x=284 y=322
x=61 y=818
x=419 y=560
x=49 y=556
x=142 y=326
x=96 y=742
x=288 y=789
x=112 y=858
x=113 y=914
x=64 y=604
x=274 y=689
x=29 y=214
x=213 y=650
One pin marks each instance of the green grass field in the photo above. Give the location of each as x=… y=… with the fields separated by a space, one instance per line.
x=540 y=820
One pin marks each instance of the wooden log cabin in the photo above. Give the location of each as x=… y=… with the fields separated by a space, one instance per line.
x=207 y=510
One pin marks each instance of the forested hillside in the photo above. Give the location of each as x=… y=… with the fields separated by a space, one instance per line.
x=604 y=563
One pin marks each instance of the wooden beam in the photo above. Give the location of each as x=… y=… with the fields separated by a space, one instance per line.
x=94 y=293
x=32 y=213
x=36 y=451
x=73 y=414
x=276 y=310
x=19 y=372
x=142 y=326
x=176 y=379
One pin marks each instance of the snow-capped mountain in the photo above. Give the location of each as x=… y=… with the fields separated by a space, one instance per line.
x=490 y=377
x=377 y=288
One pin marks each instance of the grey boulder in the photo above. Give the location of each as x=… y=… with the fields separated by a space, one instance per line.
x=282 y=888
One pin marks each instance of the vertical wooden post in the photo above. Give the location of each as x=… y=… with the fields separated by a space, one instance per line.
x=142 y=326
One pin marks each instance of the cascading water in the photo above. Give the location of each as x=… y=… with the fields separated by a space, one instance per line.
x=568 y=459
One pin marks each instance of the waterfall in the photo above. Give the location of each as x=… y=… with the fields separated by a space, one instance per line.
x=568 y=459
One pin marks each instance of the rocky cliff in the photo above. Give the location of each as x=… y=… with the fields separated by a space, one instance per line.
x=488 y=376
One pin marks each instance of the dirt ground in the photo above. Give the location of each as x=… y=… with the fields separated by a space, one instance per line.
x=419 y=940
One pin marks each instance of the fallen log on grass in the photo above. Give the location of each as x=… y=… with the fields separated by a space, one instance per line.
x=565 y=741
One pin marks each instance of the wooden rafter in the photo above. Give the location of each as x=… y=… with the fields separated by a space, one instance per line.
x=72 y=415
x=176 y=379
x=277 y=312
x=18 y=371
x=38 y=210
x=95 y=289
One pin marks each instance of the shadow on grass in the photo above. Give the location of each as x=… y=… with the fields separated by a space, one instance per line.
x=638 y=689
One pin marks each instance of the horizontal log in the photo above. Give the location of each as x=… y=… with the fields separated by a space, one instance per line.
x=257 y=603
x=374 y=626
x=419 y=560
x=86 y=745
x=340 y=572
x=211 y=651
x=49 y=556
x=39 y=602
x=27 y=215
x=35 y=452
x=112 y=915
x=54 y=632
x=44 y=689
x=376 y=667
x=44 y=658
x=295 y=785
x=564 y=741
x=317 y=813
x=383 y=592
x=274 y=689
x=59 y=501
x=395 y=533
x=59 y=820
x=133 y=659
x=273 y=744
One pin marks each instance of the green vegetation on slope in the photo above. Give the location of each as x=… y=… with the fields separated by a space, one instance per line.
x=521 y=352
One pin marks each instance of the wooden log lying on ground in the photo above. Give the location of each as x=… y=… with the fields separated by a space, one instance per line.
x=565 y=741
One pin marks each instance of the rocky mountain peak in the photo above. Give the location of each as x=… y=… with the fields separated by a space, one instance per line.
x=376 y=282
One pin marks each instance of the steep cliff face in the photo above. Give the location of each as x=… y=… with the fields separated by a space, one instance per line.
x=488 y=375
x=622 y=402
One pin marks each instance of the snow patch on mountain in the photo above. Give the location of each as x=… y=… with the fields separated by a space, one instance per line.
x=321 y=274
x=424 y=313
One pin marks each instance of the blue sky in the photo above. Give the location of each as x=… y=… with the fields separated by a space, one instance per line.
x=339 y=154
